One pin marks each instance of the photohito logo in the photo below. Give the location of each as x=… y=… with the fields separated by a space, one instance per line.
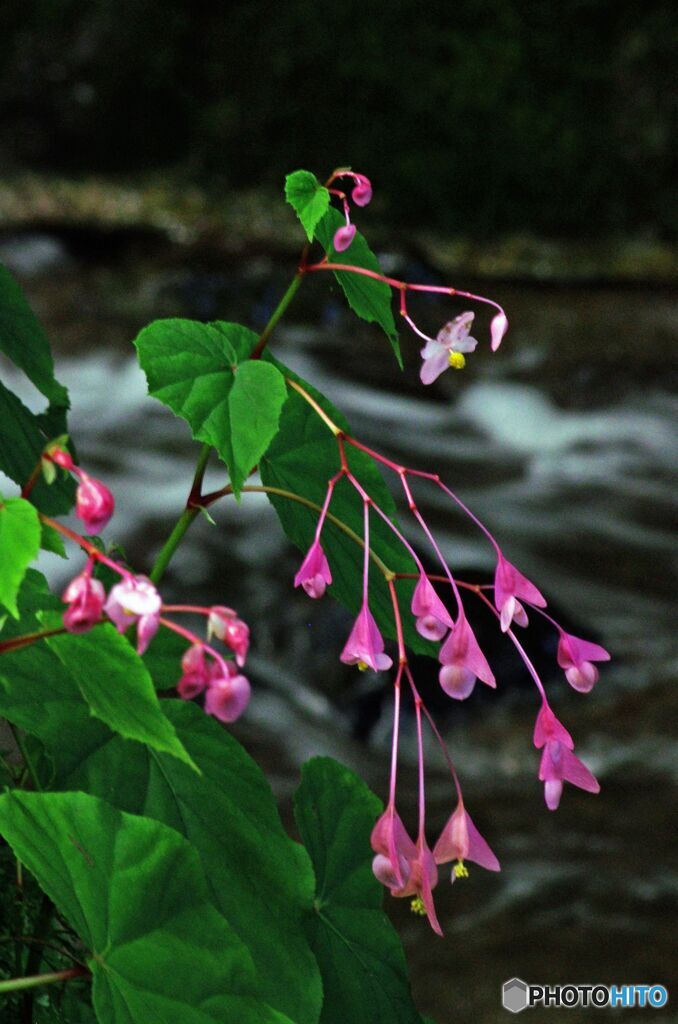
x=517 y=995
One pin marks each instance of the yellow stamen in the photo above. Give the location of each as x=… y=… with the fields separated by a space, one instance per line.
x=460 y=870
x=363 y=666
x=417 y=906
x=457 y=360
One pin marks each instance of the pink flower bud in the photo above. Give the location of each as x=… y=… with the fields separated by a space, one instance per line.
x=85 y=599
x=227 y=697
x=362 y=193
x=498 y=329
x=94 y=503
x=343 y=237
x=235 y=633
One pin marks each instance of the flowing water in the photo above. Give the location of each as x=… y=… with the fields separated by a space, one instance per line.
x=564 y=444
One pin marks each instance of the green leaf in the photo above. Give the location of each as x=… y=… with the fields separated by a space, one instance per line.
x=201 y=371
x=116 y=685
x=302 y=458
x=360 y=955
x=52 y=541
x=370 y=299
x=258 y=394
x=19 y=545
x=134 y=891
x=22 y=439
x=309 y=199
x=260 y=880
x=23 y=340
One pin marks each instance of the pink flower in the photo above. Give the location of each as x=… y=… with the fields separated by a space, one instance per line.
x=365 y=645
x=235 y=633
x=394 y=850
x=197 y=672
x=227 y=697
x=460 y=840
x=575 y=656
x=447 y=348
x=314 y=574
x=94 y=503
x=509 y=585
x=433 y=618
x=135 y=600
x=463 y=662
x=558 y=762
x=85 y=599
x=422 y=880
x=362 y=193
x=343 y=237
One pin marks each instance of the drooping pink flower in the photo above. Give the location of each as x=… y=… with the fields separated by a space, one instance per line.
x=343 y=237
x=558 y=762
x=365 y=645
x=235 y=633
x=459 y=841
x=94 y=503
x=227 y=697
x=362 y=193
x=422 y=880
x=433 y=618
x=85 y=598
x=509 y=585
x=575 y=656
x=314 y=574
x=394 y=850
x=463 y=662
x=135 y=601
x=448 y=348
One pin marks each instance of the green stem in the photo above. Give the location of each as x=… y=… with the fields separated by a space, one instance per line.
x=19 y=740
x=278 y=312
x=172 y=543
x=17 y=984
x=17 y=642
x=196 y=486
x=41 y=928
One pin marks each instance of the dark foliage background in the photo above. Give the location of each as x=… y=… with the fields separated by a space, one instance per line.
x=484 y=116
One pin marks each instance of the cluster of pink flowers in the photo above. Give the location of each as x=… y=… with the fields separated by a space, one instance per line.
x=135 y=602
x=408 y=867
x=453 y=342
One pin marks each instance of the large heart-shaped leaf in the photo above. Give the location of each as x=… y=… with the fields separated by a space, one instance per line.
x=201 y=371
x=260 y=880
x=135 y=892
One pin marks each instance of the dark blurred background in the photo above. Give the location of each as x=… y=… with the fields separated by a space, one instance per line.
x=518 y=150
x=490 y=115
